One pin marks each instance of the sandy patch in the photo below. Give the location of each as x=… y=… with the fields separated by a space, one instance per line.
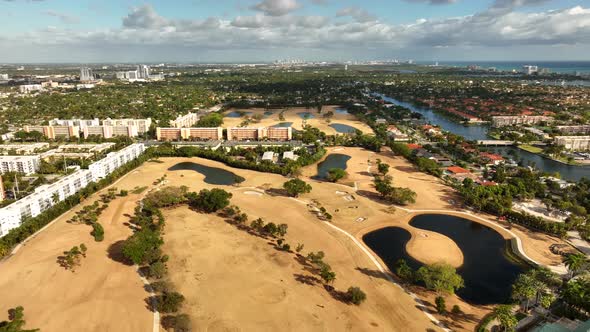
x=290 y=115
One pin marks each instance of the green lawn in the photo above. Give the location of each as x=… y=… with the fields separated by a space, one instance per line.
x=530 y=148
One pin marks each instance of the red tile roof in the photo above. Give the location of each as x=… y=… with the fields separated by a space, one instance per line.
x=413 y=146
x=457 y=170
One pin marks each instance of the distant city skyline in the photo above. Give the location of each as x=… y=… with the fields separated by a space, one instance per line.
x=233 y=31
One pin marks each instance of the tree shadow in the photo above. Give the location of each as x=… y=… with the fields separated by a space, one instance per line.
x=375 y=197
x=115 y=252
x=307 y=279
x=364 y=173
x=151 y=303
x=275 y=192
x=407 y=169
x=336 y=294
x=374 y=273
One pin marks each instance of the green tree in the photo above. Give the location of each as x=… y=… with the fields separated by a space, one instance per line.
x=169 y=302
x=576 y=293
x=143 y=247
x=402 y=196
x=404 y=271
x=209 y=200
x=525 y=288
x=97 y=232
x=575 y=263
x=327 y=274
x=157 y=270
x=503 y=313
x=440 y=277
x=441 y=305
x=16 y=321
x=335 y=174
x=382 y=168
x=210 y=120
x=296 y=187
x=355 y=295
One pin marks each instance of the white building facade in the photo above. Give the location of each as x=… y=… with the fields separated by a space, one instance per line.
x=20 y=164
x=46 y=196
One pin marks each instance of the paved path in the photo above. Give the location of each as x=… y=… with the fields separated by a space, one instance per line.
x=576 y=239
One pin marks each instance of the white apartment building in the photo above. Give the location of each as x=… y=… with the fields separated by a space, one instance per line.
x=4 y=77
x=110 y=131
x=21 y=164
x=580 y=129
x=529 y=70
x=114 y=160
x=81 y=123
x=143 y=125
x=46 y=196
x=86 y=74
x=573 y=143
x=30 y=88
x=500 y=121
x=143 y=72
x=43 y=198
x=23 y=148
x=183 y=121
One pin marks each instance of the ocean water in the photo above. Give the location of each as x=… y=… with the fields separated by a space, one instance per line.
x=562 y=67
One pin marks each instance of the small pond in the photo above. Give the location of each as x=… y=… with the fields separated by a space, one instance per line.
x=306 y=115
x=344 y=129
x=334 y=160
x=213 y=175
x=237 y=114
x=487 y=270
x=341 y=111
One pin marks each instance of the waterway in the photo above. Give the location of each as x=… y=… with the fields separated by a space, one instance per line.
x=334 y=160
x=213 y=175
x=480 y=132
x=487 y=270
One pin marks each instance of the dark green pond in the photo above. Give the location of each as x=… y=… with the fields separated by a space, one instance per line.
x=342 y=128
x=334 y=160
x=306 y=115
x=235 y=114
x=213 y=175
x=487 y=270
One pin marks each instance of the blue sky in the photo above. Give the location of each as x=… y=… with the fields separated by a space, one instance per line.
x=265 y=30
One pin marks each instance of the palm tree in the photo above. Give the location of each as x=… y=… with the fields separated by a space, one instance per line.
x=575 y=263
x=525 y=288
x=503 y=314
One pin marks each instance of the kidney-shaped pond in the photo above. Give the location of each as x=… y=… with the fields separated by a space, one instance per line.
x=334 y=160
x=213 y=175
x=487 y=270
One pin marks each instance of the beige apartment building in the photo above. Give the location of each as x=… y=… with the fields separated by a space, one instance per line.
x=501 y=121
x=569 y=130
x=573 y=143
x=279 y=133
x=143 y=125
x=53 y=132
x=245 y=133
x=199 y=134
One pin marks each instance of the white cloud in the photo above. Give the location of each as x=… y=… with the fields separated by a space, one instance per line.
x=143 y=28
x=357 y=14
x=277 y=7
x=64 y=18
